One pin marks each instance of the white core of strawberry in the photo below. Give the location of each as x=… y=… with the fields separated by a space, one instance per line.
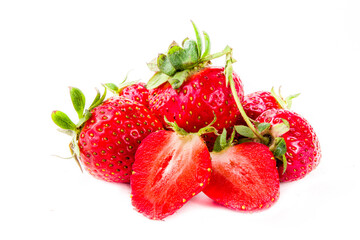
x=176 y=156
x=229 y=158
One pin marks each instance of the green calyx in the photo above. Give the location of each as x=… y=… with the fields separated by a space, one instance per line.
x=222 y=142
x=284 y=103
x=67 y=126
x=272 y=137
x=207 y=129
x=259 y=132
x=116 y=89
x=176 y=65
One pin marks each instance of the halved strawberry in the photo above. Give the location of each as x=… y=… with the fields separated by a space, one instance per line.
x=244 y=177
x=169 y=169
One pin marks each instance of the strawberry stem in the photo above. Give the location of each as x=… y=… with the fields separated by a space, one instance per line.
x=284 y=103
x=228 y=74
x=243 y=114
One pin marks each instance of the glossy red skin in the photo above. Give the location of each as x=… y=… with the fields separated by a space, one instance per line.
x=162 y=183
x=193 y=105
x=256 y=103
x=136 y=92
x=109 y=139
x=303 y=148
x=244 y=177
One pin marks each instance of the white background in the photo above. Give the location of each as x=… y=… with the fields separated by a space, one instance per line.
x=308 y=46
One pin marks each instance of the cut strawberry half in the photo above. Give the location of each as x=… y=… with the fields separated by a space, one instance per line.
x=244 y=177
x=169 y=170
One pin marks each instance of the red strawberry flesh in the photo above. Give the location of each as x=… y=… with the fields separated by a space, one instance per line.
x=244 y=177
x=169 y=170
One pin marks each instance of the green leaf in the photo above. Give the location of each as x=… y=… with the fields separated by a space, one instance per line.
x=125 y=83
x=183 y=42
x=165 y=65
x=278 y=98
x=226 y=50
x=174 y=44
x=172 y=55
x=244 y=140
x=217 y=146
x=284 y=103
x=263 y=127
x=244 y=131
x=286 y=122
x=156 y=80
x=67 y=132
x=185 y=58
x=280 y=147
x=152 y=65
x=223 y=142
x=284 y=161
x=86 y=117
x=175 y=127
x=289 y=99
x=62 y=120
x=112 y=87
x=279 y=129
x=220 y=142
x=207 y=45
x=198 y=39
x=78 y=100
x=231 y=140
x=178 y=79
x=209 y=128
x=75 y=151
x=97 y=101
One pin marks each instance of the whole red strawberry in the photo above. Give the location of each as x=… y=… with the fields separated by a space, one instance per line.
x=258 y=102
x=107 y=136
x=193 y=105
x=303 y=151
x=132 y=90
x=187 y=90
x=170 y=168
x=244 y=177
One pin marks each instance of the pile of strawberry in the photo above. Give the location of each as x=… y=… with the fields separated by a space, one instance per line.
x=190 y=129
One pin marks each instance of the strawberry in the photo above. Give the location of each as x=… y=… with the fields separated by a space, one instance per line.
x=244 y=177
x=258 y=102
x=187 y=90
x=170 y=168
x=137 y=92
x=108 y=133
x=303 y=151
x=132 y=90
x=194 y=104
